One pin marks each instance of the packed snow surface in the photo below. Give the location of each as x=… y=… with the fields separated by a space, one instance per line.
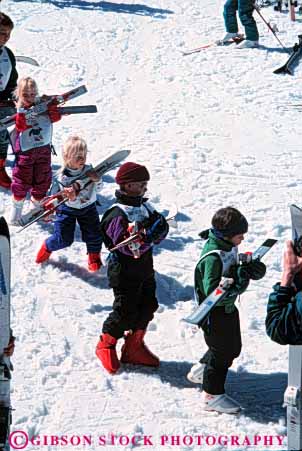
x=215 y=128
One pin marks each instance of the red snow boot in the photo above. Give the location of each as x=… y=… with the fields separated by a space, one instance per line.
x=94 y=261
x=136 y=352
x=5 y=181
x=43 y=254
x=106 y=352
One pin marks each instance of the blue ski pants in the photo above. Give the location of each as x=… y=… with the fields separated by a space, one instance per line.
x=64 y=228
x=245 y=11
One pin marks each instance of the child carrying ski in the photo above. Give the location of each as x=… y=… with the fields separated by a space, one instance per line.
x=130 y=270
x=8 y=83
x=31 y=140
x=80 y=208
x=221 y=327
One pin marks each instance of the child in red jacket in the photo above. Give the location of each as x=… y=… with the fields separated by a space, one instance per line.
x=31 y=141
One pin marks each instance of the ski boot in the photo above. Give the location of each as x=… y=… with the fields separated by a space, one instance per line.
x=94 y=261
x=16 y=212
x=43 y=254
x=136 y=352
x=196 y=373
x=220 y=403
x=106 y=352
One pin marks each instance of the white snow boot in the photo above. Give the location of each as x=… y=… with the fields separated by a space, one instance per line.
x=196 y=373
x=34 y=210
x=220 y=403
x=16 y=211
x=247 y=44
x=230 y=36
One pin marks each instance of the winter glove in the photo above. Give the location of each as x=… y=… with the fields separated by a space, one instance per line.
x=155 y=232
x=93 y=175
x=21 y=124
x=72 y=191
x=53 y=112
x=204 y=235
x=9 y=350
x=254 y=270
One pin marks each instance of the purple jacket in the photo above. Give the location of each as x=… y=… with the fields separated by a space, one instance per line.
x=135 y=209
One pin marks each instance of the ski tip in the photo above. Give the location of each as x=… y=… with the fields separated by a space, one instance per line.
x=80 y=89
x=27 y=60
x=122 y=154
x=283 y=70
x=126 y=151
x=4 y=230
x=270 y=242
x=187 y=320
x=279 y=71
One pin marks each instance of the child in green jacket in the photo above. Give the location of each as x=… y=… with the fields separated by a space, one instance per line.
x=219 y=258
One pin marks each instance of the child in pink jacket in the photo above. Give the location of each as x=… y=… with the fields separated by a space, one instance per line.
x=31 y=140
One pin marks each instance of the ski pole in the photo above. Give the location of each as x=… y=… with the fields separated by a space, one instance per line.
x=269 y=26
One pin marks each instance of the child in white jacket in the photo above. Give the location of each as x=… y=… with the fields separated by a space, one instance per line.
x=80 y=208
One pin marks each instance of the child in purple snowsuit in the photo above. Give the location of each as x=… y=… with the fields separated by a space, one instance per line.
x=130 y=270
x=31 y=141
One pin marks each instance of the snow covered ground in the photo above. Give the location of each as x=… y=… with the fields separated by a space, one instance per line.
x=214 y=130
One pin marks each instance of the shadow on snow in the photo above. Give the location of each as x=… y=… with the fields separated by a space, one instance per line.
x=260 y=395
x=124 y=8
x=80 y=272
x=169 y=291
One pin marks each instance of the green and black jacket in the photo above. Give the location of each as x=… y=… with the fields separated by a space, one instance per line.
x=208 y=273
x=284 y=316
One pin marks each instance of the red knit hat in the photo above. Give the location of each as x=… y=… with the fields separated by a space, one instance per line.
x=131 y=172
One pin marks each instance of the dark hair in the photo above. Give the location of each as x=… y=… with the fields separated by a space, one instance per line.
x=6 y=21
x=229 y=222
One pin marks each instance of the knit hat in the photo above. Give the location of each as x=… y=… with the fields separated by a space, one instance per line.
x=131 y=172
x=229 y=222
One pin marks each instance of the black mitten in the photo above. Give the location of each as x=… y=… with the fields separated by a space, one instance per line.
x=254 y=270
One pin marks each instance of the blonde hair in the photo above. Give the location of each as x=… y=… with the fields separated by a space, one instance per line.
x=73 y=146
x=25 y=82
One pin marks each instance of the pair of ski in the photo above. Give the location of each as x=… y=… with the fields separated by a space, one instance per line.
x=295 y=55
x=214 y=44
x=49 y=204
x=42 y=107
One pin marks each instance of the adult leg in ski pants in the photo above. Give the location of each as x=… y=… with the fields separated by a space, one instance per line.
x=245 y=10
x=224 y=342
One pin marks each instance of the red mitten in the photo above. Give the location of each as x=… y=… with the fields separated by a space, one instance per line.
x=54 y=113
x=21 y=124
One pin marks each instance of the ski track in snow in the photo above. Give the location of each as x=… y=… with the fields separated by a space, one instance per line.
x=214 y=130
